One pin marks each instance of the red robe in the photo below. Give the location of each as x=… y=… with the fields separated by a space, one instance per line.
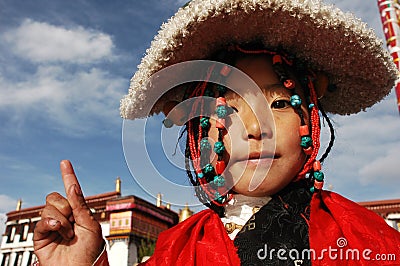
x=341 y=232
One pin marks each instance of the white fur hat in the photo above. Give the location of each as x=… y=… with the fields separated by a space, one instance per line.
x=321 y=35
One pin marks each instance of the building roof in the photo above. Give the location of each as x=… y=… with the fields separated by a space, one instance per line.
x=95 y=202
x=382 y=207
x=136 y=203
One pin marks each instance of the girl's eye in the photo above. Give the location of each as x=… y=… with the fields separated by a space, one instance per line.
x=280 y=104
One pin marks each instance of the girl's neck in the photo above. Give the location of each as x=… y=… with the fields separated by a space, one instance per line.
x=239 y=210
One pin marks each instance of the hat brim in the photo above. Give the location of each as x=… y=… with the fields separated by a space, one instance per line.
x=321 y=35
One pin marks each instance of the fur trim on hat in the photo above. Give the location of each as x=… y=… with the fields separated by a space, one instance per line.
x=321 y=35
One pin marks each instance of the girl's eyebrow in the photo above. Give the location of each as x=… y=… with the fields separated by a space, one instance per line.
x=273 y=86
x=275 y=89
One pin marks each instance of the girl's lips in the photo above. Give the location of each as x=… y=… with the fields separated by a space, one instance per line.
x=258 y=159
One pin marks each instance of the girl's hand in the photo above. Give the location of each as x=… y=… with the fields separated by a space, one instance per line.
x=67 y=234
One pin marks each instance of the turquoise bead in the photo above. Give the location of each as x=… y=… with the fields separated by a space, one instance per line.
x=219 y=181
x=168 y=123
x=319 y=176
x=221 y=89
x=200 y=175
x=295 y=101
x=306 y=141
x=221 y=111
x=208 y=168
x=312 y=189
x=205 y=122
x=219 y=198
x=205 y=145
x=209 y=93
x=219 y=147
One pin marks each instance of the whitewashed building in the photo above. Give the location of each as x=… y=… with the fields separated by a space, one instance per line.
x=125 y=222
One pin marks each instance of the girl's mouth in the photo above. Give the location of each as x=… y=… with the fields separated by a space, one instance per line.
x=257 y=158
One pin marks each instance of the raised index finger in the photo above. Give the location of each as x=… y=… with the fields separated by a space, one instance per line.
x=81 y=213
x=70 y=183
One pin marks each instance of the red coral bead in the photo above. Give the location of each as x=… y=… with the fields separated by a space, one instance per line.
x=220 y=123
x=318 y=184
x=304 y=131
x=220 y=101
x=317 y=166
x=225 y=71
x=289 y=84
x=220 y=167
x=276 y=59
x=308 y=151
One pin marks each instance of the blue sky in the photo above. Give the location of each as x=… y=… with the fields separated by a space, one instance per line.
x=64 y=65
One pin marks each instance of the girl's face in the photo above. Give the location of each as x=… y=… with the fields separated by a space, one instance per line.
x=263 y=148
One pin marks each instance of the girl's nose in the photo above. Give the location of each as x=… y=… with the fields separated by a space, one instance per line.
x=258 y=124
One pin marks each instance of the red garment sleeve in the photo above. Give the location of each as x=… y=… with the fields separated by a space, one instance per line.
x=344 y=233
x=102 y=259
x=199 y=240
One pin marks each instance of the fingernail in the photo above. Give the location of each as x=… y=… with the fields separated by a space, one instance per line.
x=78 y=190
x=71 y=218
x=53 y=222
x=63 y=163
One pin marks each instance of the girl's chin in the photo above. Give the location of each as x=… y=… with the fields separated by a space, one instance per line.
x=251 y=175
x=252 y=185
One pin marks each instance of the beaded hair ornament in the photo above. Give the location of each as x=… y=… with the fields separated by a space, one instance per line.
x=208 y=180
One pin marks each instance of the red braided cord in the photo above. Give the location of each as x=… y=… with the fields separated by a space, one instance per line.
x=315 y=132
x=262 y=51
x=195 y=150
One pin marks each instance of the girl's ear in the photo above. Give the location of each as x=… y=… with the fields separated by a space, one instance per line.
x=321 y=84
x=176 y=112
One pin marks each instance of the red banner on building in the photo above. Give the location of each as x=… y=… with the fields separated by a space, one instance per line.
x=390 y=13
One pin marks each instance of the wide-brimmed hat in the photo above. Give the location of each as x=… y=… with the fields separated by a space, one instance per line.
x=321 y=35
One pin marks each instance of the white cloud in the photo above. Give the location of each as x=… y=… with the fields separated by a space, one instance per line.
x=382 y=169
x=7 y=203
x=42 y=42
x=364 y=161
x=69 y=99
x=3 y=219
x=64 y=98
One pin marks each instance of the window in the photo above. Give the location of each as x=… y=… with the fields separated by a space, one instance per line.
x=6 y=259
x=18 y=259
x=30 y=258
x=11 y=234
x=24 y=233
